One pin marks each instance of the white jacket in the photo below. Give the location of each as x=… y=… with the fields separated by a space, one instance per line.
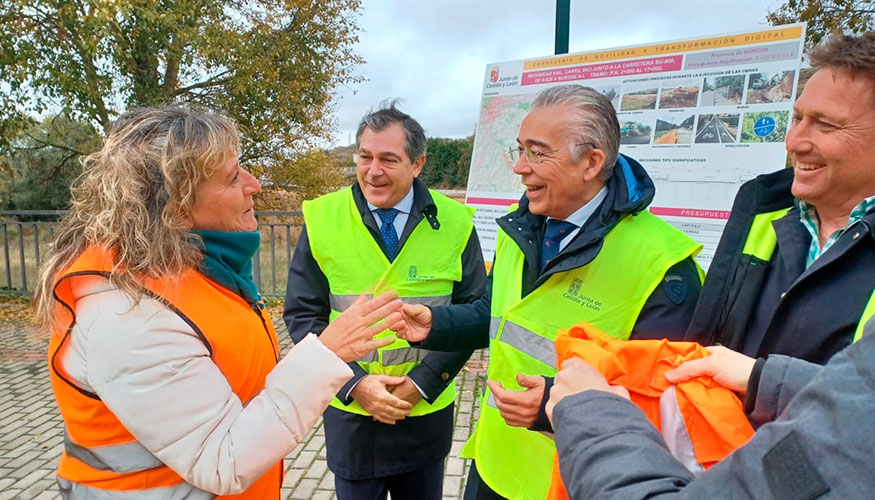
x=154 y=373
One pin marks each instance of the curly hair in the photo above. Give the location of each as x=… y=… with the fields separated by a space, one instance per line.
x=853 y=54
x=135 y=197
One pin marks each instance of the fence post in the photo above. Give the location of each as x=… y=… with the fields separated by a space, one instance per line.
x=6 y=255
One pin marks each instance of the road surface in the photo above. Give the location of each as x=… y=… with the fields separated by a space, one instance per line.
x=714 y=131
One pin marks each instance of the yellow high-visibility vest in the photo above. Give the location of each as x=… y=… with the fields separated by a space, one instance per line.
x=609 y=292
x=423 y=272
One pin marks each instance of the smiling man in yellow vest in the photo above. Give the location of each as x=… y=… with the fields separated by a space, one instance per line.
x=794 y=272
x=581 y=246
x=390 y=427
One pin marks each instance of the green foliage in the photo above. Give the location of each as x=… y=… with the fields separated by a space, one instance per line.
x=747 y=134
x=447 y=162
x=271 y=65
x=825 y=17
x=734 y=85
x=314 y=173
x=40 y=169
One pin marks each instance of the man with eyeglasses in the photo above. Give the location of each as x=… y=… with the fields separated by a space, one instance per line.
x=581 y=246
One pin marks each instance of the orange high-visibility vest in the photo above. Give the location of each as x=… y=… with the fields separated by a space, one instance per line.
x=701 y=421
x=99 y=452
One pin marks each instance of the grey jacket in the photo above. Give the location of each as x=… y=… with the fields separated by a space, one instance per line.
x=817 y=441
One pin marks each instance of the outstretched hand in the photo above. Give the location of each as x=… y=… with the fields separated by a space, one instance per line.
x=728 y=368
x=417 y=320
x=351 y=335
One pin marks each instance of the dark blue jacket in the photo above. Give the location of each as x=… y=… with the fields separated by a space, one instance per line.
x=359 y=447
x=666 y=313
x=780 y=307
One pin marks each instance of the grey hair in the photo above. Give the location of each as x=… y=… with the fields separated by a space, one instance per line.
x=388 y=114
x=591 y=119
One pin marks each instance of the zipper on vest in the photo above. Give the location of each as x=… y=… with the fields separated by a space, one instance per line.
x=257 y=310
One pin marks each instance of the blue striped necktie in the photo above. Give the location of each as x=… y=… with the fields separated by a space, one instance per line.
x=387 y=230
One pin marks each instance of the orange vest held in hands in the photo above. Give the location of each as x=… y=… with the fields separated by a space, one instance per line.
x=701 y=421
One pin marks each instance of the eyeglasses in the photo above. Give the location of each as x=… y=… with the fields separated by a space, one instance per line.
x=536 y=157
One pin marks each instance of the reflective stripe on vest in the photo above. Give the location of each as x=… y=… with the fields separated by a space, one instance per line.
x=182 y=491
x=515 y=462
x=122 y=457
x=423 y=272
x=101 y=458
x=341 y=303
x=761 y=243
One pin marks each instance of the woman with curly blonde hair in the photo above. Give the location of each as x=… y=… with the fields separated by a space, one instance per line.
x=163 y=361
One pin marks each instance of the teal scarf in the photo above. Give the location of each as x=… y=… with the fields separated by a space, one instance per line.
x=228 y=261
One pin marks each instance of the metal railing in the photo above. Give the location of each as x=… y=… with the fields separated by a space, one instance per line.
x=25 y=236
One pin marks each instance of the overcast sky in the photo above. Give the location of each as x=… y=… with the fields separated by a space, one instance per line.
x=433 y=54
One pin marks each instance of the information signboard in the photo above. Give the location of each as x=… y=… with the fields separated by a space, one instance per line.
x=702 y=115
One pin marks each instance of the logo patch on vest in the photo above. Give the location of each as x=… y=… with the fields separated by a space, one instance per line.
x=413 y=275
x=674 y=287
x=573 y=294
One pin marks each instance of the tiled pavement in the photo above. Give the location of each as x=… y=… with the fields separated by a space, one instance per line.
x=31 y=430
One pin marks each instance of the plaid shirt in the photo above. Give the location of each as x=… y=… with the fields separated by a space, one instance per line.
x=808 y=215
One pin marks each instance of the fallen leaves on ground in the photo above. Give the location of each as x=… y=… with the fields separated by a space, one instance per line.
x=15 y=308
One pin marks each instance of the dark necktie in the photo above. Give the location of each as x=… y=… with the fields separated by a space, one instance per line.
x=387 y=230
x=556 y=231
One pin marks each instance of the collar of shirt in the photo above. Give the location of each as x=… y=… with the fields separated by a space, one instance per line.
x=404 y=207
x=808 y=216
x=580 y=216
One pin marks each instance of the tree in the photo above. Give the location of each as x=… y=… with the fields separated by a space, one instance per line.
x=271 y=65
x=825 y=17
x=40 y=170
x=447 y=162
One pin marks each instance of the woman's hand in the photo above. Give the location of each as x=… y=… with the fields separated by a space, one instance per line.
x=728 y=368
x=351 y=335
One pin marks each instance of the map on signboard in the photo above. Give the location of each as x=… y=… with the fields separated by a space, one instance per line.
x=491 y=167
x=500 y=118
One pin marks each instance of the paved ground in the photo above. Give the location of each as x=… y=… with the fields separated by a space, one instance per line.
x=31 y=430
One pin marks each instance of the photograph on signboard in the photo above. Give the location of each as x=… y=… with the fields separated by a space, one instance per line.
x=674 y=128
x=682 y=94
x=722 y=90
x=765 y=126
x=612 y=93
x=804 y=75
x=720 y=128
x=634 y=132
x=765 y=88
x=639 y=96
x=677 y=101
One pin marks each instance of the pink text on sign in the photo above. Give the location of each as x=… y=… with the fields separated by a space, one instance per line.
x=603 y=70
